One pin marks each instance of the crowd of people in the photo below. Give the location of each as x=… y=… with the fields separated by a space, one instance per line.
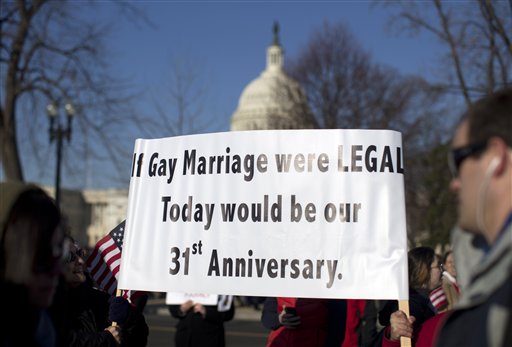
x=48 y=298
x=445 y=311
x=461 y=298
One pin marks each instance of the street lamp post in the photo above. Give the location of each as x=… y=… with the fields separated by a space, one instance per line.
x=57 y=132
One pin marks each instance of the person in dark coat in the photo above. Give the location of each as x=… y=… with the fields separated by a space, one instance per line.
x=481 y=165
x=481 y=157
x=202 y=325
x=31 y=249
x=85 y=314
x=424 y=276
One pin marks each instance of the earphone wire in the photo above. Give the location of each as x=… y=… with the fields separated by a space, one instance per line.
x=480 y=215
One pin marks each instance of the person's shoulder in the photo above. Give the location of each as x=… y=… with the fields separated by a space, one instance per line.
x=430 y=329
x=436 y=321
x=95 y=295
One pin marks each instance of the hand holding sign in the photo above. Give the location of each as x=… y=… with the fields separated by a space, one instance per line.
x=288 y=318
x=401 y=326
x=186 y=306
x=200 y=309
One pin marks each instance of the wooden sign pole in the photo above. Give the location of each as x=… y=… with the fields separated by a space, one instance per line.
x=403 y=305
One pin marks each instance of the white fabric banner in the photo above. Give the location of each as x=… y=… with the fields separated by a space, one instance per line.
x=295 y=213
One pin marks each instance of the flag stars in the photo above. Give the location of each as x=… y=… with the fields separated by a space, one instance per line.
x=117 y=235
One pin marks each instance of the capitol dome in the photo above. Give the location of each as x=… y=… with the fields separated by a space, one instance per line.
x=273 y=100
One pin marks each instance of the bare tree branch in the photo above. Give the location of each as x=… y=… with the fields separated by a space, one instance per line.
x=445 y=25
x=347 y=90
x=51 y=53
x=476 y=36
x=180 y=105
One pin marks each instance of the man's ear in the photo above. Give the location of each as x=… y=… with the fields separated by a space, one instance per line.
x=493 y=166
x=502 y=156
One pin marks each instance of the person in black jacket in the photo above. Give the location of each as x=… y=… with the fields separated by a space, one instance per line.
x=424 y=275
x=31 y=249
x=201 y=325
x=85 y=314
x=481 y=163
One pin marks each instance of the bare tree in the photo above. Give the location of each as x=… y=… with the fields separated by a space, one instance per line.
x=477 y=37
x=50 y=53
x=434 y=206
x=180 y=100
x=347 y=90
x=328 y=69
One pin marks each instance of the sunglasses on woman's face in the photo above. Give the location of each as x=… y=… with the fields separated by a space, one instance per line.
x=74 y=255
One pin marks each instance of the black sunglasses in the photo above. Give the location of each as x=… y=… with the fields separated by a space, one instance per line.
x=457 y=155
x=72 y=256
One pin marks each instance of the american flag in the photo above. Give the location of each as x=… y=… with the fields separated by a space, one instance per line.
x=104 y=262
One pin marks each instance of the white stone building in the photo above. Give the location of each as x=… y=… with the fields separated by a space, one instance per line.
x=108 y=209
x=92 y=213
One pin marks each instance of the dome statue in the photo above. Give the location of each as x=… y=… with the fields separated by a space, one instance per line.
x=273 y=100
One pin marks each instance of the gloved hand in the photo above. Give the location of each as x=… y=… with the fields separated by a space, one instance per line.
x=118 y=310
x=289 y=320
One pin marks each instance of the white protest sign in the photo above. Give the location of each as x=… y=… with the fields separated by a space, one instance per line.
x=173 y=298
x=296 y=213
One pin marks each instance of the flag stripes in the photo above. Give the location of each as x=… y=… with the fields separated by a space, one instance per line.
x=105 y=261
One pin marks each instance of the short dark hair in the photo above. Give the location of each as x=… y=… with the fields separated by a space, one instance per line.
x=491 y=116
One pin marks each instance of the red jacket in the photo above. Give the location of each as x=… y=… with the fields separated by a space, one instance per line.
x=312 y=331
x=355 y=310
x=425 y=336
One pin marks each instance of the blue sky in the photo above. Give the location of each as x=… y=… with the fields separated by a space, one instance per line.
x=227 y=42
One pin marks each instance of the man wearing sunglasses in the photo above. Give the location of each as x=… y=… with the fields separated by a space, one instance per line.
x=481 y=165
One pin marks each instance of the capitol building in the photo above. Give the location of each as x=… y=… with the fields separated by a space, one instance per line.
x=273 y=100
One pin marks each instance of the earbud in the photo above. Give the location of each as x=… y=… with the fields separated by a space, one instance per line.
x=493 y=165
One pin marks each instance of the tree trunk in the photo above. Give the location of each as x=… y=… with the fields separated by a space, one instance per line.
x=10 y=157
x=11 y=161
